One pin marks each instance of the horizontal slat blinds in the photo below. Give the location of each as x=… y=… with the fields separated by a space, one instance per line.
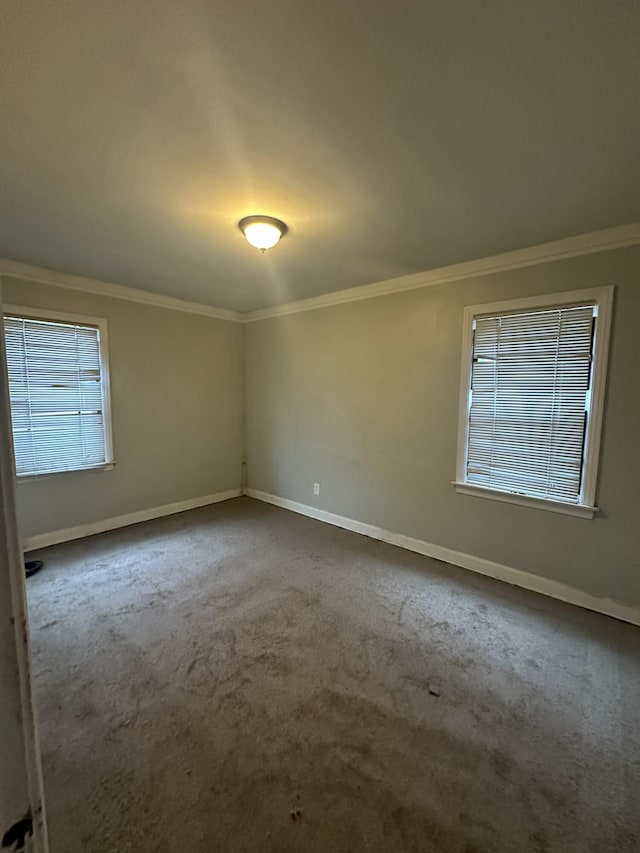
x=529 y=399
x=55 y=386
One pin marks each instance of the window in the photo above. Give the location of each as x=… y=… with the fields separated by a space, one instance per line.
x=532 y=399
x=59 y=391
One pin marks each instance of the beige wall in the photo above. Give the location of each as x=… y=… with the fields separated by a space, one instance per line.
x=363 y=398
x=176 y=389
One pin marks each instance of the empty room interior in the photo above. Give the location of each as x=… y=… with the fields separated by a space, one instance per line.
x=319 y=418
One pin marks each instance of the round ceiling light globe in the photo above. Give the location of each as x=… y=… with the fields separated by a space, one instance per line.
x=263 y=232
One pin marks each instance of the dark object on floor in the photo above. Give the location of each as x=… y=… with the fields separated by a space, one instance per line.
x=32 y=566
x=17 y=834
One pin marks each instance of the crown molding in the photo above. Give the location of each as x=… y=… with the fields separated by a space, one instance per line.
x=570 y=247
x=27 y=272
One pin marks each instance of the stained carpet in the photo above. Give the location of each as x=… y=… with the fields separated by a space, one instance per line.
x=239 y=678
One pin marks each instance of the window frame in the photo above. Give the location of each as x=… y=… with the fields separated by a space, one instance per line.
x=26 y=313
x=603 y=298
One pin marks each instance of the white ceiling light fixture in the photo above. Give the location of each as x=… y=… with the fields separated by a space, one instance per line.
x=263 y=232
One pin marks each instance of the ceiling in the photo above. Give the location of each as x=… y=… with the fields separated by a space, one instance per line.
x=392 y=137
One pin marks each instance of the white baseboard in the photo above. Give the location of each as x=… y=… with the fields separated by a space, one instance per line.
x=545 y=586
x=43 y=540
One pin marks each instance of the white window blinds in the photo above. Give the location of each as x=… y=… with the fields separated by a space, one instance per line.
x=56 y=391
x=529 y=401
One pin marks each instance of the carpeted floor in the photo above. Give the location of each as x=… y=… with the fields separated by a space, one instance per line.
x=239 y=678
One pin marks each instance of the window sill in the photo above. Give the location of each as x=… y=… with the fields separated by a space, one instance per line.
x=25 y=478
x=577 y=510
